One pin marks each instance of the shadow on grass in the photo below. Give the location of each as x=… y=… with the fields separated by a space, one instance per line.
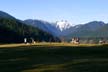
x=50 y=58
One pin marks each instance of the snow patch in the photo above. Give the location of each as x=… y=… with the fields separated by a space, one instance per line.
x=63 y=25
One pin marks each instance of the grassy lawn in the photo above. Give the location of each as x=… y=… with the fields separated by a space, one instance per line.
x=53 y=57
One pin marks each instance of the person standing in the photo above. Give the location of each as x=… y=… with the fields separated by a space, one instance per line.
x=25 y=40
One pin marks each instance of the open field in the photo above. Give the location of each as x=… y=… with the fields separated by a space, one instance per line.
x=47 y=44
x=53 y=57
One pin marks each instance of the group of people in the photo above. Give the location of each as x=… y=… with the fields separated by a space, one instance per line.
x=75 y=40
x=101 y=41
x=29 y=40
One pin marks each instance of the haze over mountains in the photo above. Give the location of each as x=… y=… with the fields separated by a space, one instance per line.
x=42 y=30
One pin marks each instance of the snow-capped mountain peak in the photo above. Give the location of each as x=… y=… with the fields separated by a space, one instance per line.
x=63 y=25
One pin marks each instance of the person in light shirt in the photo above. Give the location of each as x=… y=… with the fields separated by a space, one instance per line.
x=25 y=40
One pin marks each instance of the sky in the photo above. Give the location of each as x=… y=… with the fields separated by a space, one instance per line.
x=74 y=11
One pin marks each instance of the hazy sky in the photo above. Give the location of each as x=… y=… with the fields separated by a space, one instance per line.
x=74 y=11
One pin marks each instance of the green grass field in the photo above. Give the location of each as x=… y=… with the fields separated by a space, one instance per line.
x=53 y=57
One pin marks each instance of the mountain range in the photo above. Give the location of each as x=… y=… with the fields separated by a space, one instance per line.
x=44 y=31
x=65 y=29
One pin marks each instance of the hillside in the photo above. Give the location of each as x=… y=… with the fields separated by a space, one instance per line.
x=14 y=31
x=102 y=32
x=89 y=30
x=5 y=15
x=43 y=25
